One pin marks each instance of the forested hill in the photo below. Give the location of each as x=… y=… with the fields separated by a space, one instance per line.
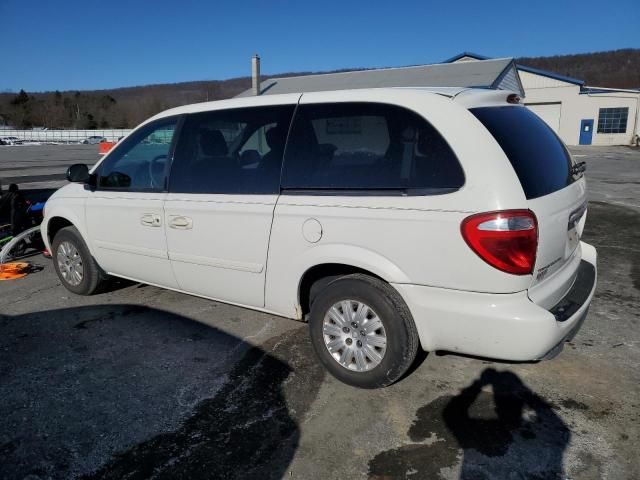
x=614 y=69
x=126 y=107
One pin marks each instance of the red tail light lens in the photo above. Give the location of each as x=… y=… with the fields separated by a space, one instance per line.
x=506 y=240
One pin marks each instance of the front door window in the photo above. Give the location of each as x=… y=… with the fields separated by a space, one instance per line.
x=139 y=163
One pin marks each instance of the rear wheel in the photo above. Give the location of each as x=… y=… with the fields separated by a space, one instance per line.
x=362 y=331
x=76 y=268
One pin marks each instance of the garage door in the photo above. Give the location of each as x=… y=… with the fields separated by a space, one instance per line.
x=549 y=112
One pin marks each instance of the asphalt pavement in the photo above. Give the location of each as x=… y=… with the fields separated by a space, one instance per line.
x=140 y=382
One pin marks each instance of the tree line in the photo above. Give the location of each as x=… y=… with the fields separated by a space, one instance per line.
x=69 y=110
x=127 y=107
x=613 y=69
x=114 y=108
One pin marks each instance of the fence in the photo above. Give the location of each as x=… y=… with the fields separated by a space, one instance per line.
x=63 y=136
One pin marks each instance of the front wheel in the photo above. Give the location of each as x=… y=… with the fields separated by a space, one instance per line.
x=362 y=331
x=76 y=268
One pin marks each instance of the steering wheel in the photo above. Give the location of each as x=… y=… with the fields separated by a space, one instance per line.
x=156 y=181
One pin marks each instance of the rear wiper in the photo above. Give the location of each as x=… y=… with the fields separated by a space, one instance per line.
x=578 y=168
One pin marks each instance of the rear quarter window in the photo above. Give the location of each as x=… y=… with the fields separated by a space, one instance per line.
x=539 y=158
x=368 y=147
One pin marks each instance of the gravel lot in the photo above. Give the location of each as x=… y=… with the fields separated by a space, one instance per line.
x=141 y=382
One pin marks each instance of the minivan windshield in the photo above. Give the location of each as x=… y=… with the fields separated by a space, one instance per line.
x=539 y=158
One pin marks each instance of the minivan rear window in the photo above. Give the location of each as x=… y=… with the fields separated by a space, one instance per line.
x=538 y=156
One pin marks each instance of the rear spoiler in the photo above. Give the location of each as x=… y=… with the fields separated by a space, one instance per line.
x=477 y=97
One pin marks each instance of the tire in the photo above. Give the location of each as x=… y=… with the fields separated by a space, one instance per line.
x=387 y=308
x=66 y=244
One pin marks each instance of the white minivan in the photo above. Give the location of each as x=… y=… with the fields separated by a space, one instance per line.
x=390 y=219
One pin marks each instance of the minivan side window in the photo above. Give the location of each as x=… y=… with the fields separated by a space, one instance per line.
x=368 y=147
x=258 y=140
x=139 y=162
x=231 y=151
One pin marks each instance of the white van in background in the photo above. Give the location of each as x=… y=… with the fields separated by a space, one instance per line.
x=389 y=219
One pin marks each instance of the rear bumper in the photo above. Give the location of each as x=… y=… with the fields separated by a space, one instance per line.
x=502 y=326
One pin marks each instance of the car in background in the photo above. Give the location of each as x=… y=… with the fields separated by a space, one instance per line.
x=10 y=141
x=94 y=140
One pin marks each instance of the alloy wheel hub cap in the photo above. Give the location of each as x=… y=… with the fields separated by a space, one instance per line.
x=70 y=263
x=354 y=335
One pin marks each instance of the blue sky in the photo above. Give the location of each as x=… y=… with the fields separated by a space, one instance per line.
x=89 y=44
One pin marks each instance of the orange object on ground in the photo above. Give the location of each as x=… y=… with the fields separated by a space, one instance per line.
x=14 y=270
x=105 y=147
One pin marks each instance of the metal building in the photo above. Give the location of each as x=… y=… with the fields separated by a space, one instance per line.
x=499 y=73
x=577 y=113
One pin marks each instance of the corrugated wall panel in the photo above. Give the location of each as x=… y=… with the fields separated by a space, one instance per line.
x=549 y=112
x=533 y=80
x=510 y=81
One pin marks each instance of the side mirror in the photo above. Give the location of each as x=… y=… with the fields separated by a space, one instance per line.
x=78 y=173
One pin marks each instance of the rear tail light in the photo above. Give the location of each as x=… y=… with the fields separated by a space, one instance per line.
x=506 y=240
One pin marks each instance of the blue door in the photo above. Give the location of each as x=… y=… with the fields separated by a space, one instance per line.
x=586 y=132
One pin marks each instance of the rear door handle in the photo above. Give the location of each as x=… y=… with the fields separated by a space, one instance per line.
x=151 y=220
x=181 y=223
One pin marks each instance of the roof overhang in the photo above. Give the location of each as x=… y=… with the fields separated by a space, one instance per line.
x=524 y=68
x=603 y=90
x=545 y=73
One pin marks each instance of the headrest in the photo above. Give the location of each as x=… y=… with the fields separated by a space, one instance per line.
x=276 y=137
x=408 y=134
x=212 y=143
x=428 y=143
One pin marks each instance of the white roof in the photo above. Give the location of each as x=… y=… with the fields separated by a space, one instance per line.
x=468 y=97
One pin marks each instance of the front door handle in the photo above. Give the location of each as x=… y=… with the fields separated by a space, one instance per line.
x=181 y=223
x=151 y=220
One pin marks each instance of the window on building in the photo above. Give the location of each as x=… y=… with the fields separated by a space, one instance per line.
x=368 y=146
x=613 y=120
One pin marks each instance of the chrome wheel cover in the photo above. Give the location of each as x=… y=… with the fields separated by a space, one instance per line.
x=354 y=335
x=70 y=263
